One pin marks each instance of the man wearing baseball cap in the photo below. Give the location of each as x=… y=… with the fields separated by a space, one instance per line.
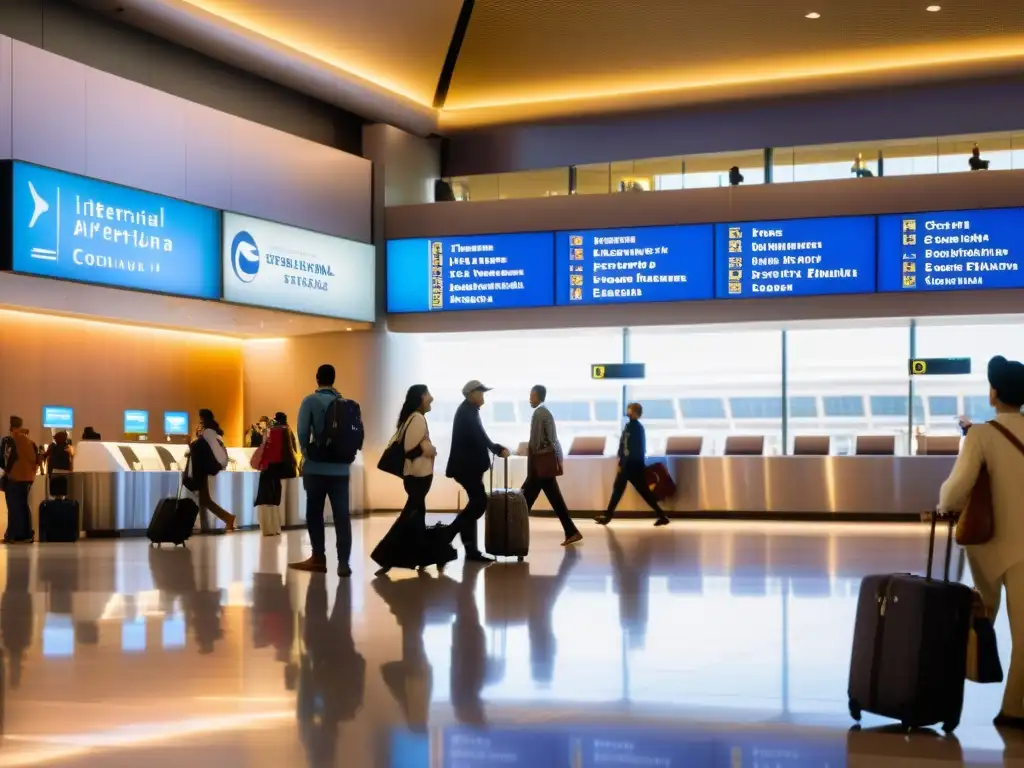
x=468 y=460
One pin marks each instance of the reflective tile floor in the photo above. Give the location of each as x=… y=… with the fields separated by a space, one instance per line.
x=717 y=645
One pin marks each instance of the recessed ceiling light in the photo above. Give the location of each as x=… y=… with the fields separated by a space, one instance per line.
x=933 y=8
x=813 y=15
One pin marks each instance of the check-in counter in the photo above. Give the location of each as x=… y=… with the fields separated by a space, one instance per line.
x=118 y=485
x=747 y=485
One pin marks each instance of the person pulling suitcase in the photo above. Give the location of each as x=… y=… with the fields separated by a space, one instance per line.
x=468 y=460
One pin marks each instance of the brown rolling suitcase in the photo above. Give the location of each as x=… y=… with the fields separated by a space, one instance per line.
x=507 y=521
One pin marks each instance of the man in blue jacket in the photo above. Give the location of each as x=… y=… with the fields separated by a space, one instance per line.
x=632 y=467
x=469 y=459
x=323 y=480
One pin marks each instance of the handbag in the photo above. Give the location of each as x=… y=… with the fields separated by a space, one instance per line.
x=976 y=523
x=392 y=460
x=256 y=460
x=983 y=665
x=546 y=464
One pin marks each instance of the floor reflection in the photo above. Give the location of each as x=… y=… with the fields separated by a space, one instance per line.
x=721 y=645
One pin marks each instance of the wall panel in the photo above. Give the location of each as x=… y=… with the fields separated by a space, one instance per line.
x=103 y=368
x=6 y=46
x=74 y=118
x=49 y=109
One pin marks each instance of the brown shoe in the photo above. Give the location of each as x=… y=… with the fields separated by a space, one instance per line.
x=312 y=565
x=573 y=539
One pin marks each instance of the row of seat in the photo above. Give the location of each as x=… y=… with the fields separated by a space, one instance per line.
x=753 y=445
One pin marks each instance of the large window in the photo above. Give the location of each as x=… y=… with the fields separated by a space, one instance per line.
x=719 y=382
x=512 y=362
x=859 y=375
x=976 y=338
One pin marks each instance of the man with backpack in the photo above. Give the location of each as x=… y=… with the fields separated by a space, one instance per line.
x=330 y=433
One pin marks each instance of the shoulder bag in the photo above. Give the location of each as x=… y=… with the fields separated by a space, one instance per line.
x=976 y=523
x=392 y=460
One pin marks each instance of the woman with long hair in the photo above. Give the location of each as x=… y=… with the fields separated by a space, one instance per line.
x=278 y=464
x=408 y=543
x=207 y=456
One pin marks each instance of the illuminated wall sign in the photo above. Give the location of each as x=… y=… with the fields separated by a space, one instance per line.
x=136 y=422
x=637 y=265
x=474 y=272
x=940 y=366
x=274 y=265
x=80 y=229
x=799 y=257
x=951 y=251
x=58 y=417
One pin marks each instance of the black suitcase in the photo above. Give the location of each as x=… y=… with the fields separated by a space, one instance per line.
x=173 y=520
x=909 y=657
x=58 y=520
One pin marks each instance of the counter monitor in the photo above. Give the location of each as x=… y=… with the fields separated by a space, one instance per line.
x=641 y=264
x=176 y=423
x=58 y=417
x=951 y=251
x=511 y=271
x=799 y=257
x=136 y=422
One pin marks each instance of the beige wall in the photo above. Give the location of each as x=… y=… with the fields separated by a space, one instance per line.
x=100 y=369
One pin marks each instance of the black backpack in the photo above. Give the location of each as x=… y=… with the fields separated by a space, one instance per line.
x=342 y=436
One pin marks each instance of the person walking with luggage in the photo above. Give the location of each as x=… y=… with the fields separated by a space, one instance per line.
x=632 y=467
x=544 y=464
x=21 y=464
x=277 y=464
x=999 y=563
x=59 y=458
x=468 y=460
x=327 y=426
x=207 y=457
x=408 y=544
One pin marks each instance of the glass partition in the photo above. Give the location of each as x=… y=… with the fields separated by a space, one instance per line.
x=711 y=383
x=857 y=377
x=977 y=338
x=512 y=362
x=848 y=161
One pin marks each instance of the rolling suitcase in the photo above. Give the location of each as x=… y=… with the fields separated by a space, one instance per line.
x=909 y=655
x=507 y=521
x=659 y=481
x=58 y=520
x=173 y=519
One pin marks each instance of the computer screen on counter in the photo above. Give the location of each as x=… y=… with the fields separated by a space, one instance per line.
x=74 y=228
x=175 y=423
x=636 y=265
x=798 y=257
x=510 y=271
x=58 y=417
x=951 y=250
x=274 y=265
x=136 y=422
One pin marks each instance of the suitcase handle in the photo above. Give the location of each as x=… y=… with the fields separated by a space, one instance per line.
x=949 y=546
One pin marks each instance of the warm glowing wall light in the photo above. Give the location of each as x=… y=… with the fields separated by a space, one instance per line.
x=68 y=322
x=933 y=8
x=813 y=15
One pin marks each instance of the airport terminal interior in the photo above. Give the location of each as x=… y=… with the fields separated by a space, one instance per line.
x=791 y=233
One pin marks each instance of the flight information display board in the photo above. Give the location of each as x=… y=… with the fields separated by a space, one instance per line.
x=641 y=264
x=509 y=271
x=799 y=257
x=951 y=250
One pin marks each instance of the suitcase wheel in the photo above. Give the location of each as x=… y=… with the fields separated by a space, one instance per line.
x=950 y=725
x=855 y=711
x=521 y=558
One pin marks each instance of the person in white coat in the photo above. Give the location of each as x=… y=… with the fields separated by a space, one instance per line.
x=999 y=563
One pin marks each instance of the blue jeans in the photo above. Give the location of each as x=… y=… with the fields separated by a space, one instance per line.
x=319 y=488
x=19 y=516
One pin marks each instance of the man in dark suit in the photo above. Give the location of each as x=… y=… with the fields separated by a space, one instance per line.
x=468 y=461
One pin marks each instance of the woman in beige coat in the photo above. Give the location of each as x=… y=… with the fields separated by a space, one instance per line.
x=999 y=563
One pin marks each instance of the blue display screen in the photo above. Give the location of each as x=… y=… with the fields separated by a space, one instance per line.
x=800 y=257
x=951 y=251
x=74 y=228
x=58 y=417
x=175 y=423
x=645 y=264
x=476 y=272
x=136 y=422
